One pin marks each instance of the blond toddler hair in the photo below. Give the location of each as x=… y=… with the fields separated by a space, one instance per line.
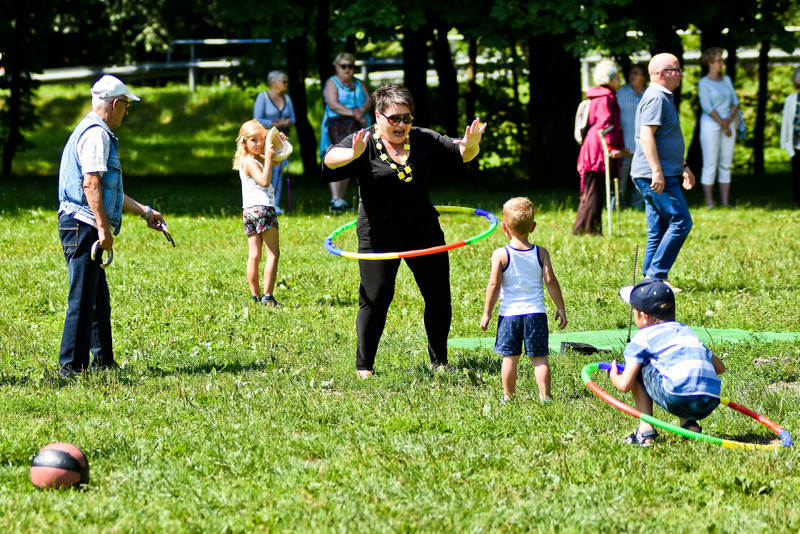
x=518 y=214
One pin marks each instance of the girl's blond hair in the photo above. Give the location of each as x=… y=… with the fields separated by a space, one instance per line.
x=248 y=130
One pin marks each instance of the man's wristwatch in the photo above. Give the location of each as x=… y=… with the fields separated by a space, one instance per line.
x=147 y=213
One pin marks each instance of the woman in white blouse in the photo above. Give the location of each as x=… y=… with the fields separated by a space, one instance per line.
x=718 y=125
x=790 y=134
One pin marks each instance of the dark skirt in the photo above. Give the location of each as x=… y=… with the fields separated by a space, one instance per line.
x=590 y=211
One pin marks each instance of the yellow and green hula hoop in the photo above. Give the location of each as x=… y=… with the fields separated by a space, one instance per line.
x=330 y=247
x=786 y=439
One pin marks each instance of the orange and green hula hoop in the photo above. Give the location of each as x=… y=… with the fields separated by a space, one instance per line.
x=330 y=247
x=786 y=439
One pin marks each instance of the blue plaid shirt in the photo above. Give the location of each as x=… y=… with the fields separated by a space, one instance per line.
x=680 y=357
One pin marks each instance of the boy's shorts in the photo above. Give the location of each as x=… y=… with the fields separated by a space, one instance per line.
x=513 y=330
x=259 y=219
x=685 y=406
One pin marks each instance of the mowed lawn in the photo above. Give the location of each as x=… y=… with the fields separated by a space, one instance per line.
x=230 y=417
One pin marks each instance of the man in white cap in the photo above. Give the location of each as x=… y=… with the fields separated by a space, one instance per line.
x=91 y=201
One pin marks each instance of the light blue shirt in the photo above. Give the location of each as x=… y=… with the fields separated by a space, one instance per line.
x=716 y=96
x=683 y=361
x=628 y=101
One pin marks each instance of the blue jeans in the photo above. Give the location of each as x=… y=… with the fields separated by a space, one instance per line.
x=669 y=223
x=87 y=326
x=277 y=182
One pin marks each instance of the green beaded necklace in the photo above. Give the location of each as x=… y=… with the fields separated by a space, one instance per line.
x=403 y=174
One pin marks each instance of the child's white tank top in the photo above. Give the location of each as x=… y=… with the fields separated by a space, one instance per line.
x=522 y=290
x=252 y=193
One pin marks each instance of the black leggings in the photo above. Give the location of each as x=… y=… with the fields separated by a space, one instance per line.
x=432 y=274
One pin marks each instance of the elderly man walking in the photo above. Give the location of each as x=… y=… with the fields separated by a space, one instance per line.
x=91 y=202
x=658 y=168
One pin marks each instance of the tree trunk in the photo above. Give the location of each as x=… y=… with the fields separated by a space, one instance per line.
x=323 y=41
x=472 y=84
x=415 y=68
x=553 y=150
x=711 y=35
x=761 y=110
x=295 y=65
x=13 y=136
x=448 y=82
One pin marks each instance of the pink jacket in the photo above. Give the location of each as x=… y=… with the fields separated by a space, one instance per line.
x=603 y=112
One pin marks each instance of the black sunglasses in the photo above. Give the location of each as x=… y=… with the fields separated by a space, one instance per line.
x=348 y=66
x=395 y=120
x=127 y=104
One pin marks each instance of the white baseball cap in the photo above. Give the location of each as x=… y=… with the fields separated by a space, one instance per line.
x=109 y=86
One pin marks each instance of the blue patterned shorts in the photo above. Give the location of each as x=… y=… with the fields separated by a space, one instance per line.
x=686 y=406
x=513 y=330
x=259 y=219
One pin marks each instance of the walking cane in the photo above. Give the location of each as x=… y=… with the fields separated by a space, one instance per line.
x=606 y=158
x=616 y=200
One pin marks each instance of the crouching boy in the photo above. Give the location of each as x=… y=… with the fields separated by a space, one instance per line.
x=665 y=362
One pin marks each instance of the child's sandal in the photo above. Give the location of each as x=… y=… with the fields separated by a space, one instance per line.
x=645 y=439
x=692 y=423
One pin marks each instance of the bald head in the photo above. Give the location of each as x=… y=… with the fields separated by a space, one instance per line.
x=664 y=70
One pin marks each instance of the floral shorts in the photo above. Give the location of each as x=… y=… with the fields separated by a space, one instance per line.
x=258 y=219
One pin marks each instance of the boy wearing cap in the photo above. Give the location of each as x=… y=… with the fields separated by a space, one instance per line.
x=665 y=362
x=91 y=202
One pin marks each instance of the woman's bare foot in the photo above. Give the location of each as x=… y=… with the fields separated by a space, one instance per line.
x=363 y=374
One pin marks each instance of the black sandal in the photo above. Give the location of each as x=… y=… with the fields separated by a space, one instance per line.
x=645 y=439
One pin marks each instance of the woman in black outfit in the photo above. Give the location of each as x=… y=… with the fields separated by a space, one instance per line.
x=393 y=162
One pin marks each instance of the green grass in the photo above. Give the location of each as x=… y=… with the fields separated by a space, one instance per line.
x=232 y=417
x=171 y=131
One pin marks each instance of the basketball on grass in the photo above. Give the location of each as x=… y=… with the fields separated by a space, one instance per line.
x=59 y=465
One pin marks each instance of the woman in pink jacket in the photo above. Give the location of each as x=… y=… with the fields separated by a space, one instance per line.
x=603 y=117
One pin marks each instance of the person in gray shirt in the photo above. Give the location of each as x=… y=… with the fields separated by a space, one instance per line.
x=658 y=168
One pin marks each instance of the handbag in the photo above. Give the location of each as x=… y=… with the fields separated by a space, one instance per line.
x=340 y=127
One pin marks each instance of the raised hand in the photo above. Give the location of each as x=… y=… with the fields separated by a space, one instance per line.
x=360 y=142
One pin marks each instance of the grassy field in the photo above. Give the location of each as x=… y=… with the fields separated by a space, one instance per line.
x=230 y=417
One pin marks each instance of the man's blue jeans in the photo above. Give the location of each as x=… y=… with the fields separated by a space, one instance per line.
x=669 y=223
x=87 y=327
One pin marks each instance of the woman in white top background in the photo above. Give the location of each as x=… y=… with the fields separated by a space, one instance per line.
x=790 y=134
x=718 y=125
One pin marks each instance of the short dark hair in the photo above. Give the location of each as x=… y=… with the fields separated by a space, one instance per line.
x=665 y=317
x=641 y=67
x=392 y=93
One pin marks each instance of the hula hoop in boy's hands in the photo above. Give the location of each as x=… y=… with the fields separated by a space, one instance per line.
x=330 y=247
x=785 y=437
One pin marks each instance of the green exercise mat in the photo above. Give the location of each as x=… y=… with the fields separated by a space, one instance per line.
x=615 y=340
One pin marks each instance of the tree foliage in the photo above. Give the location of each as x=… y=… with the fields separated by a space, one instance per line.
x=535 y=40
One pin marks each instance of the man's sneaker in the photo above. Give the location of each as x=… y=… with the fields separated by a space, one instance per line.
x=68 y=372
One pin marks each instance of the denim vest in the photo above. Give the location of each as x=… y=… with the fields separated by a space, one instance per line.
x=71 y=198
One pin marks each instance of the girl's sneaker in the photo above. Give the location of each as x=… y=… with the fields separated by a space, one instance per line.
x=269 y=301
